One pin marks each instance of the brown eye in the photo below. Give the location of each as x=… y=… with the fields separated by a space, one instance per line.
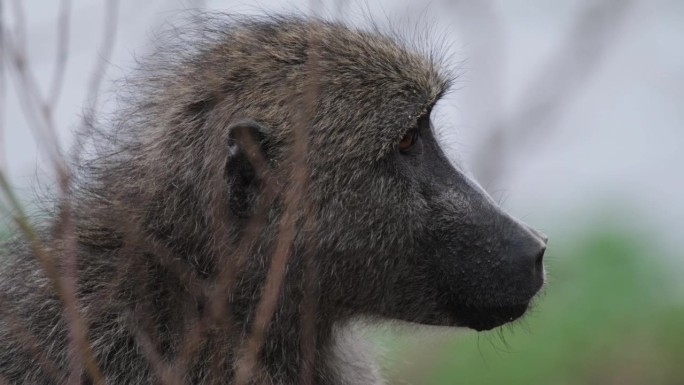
x=408 y=140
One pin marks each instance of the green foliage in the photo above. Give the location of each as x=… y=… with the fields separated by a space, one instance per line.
x=607 y=317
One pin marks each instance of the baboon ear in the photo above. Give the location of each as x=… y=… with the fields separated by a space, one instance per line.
x=246 y=166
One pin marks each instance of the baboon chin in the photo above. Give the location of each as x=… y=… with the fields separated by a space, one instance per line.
x=266 y=181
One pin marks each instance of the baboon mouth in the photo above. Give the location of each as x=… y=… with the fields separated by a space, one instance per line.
x=487 y=318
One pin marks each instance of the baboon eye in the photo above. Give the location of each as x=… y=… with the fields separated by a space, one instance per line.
x=408 y=140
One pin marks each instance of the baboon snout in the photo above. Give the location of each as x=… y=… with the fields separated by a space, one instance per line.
x=509 y=271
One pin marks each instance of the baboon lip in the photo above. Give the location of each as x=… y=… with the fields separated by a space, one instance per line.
x=483 y=318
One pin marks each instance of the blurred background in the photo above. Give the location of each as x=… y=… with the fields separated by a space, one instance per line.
x=570 y=113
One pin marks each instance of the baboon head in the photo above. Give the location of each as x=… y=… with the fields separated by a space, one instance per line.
x=397 y=230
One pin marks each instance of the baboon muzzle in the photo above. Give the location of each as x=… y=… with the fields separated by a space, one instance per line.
x=491 y=264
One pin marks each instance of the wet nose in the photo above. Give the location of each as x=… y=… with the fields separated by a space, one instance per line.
x=526 y=255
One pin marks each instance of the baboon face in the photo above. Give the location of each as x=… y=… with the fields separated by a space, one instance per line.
x=410 y=237
x=399 y=231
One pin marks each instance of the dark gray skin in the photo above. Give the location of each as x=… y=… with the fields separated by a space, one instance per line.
x=383 y=230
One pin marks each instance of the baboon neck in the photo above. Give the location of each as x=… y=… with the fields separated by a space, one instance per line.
x=336 y=355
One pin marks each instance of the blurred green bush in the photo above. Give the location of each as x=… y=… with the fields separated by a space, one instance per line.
x=607 y=316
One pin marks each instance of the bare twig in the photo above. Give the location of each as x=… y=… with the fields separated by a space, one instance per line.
x=247 y=363
x=105 y=53
x=307 y=321
x=39 y=112
x=77 y=327
x=62 y=54
x=3 y=90
x=160 y=369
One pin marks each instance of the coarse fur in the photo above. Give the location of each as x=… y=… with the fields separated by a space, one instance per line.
x=227 y=133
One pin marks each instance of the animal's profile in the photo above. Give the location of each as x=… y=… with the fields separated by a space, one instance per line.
x=268 y=181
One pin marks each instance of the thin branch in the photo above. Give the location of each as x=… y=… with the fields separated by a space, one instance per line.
x=3 y=90
x=62 y=54
x=307 y=316
x=156 y=361
x=26 y=86
x=287 y=228
x=106 y=50
x=20 y=24
x=39 y=112
x=77 y=327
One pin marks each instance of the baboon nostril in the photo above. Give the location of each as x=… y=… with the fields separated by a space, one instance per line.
x=540 y=256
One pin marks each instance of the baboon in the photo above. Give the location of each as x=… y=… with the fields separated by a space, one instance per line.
x=251 y=156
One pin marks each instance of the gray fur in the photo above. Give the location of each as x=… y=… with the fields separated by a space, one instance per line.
x=166 y=204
